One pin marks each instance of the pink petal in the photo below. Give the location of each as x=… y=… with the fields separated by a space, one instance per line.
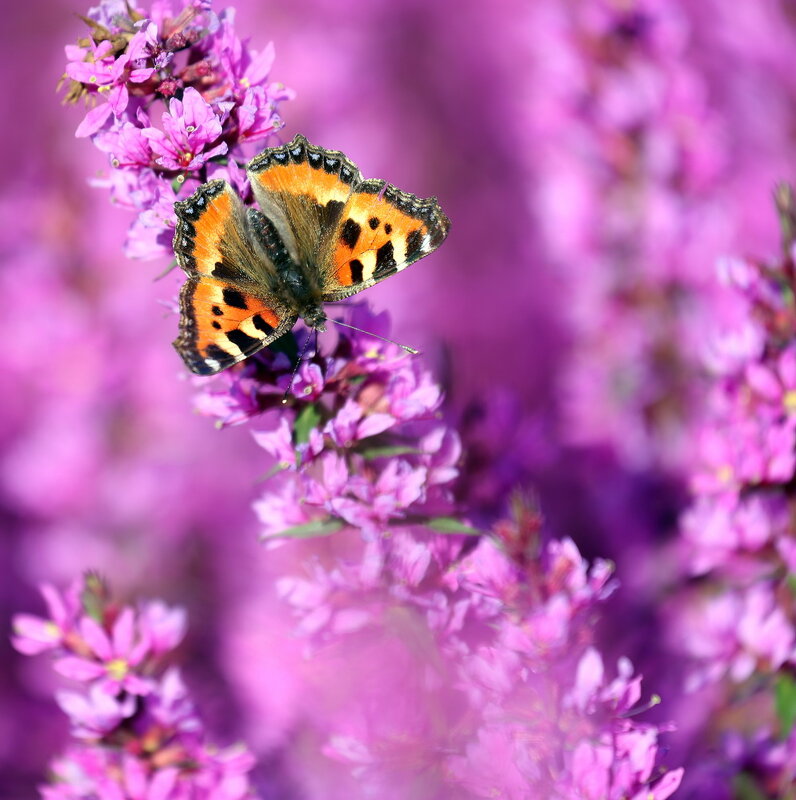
x=93 y=121
x=96 y=638
x=261 y=65
x=123 y=633
x=763 y=381
x=78 y=669
x=136 y=685
x=196 y=110
x=135 y=778
x=118 y=98
x=375 y=424
x=141 y=75
x=162 y=784
x=787 y=368
x=668 y=784
x=55 y=603
x=35 y=634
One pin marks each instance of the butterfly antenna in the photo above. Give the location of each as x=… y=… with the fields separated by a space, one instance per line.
x=376 y=336
x=298 y=364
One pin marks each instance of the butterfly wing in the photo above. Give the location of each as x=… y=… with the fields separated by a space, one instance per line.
x=381 y=231
x=227 y=310
x=350 y=233
x=302 y=189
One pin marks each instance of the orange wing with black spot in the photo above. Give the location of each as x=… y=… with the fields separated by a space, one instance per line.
x=221 y=325
x=381 y=231
x=227 y=310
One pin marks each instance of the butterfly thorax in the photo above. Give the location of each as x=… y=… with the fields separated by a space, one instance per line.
x=291 y=281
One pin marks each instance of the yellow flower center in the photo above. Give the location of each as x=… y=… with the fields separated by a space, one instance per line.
x=52 y=629
x=117 y=668
x=724 y=473
x=245 y=83
x=789 y=400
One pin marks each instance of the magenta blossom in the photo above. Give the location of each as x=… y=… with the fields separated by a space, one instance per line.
x=189 y=127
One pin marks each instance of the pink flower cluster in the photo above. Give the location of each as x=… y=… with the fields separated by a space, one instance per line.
x=447 y=660
x=509 y=697
x=489 y=636
x=360 y=443
x=136 y=732
x=642 y=175
x=738 y=623
x=178 y=97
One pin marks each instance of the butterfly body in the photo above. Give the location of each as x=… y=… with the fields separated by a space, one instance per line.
x=321 y=234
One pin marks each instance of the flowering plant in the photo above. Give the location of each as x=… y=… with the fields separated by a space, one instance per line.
x=177 y=98
x=135 y=730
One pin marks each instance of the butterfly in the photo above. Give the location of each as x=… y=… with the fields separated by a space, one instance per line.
x=321 y=234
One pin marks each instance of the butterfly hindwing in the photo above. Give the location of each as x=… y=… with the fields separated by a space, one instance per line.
x=381 y=231
x=221 y=325
x=228 y=310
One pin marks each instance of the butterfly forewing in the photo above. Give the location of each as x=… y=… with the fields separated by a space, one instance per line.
x=381 y=231
x=302 y=189
x=211 y=237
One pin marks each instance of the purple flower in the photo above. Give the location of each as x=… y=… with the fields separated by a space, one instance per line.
x=190 y=125
x=126 y=143
x=34 y=635
x=97 y=713
x=137 y=738
x=256 y=116
x=113 y=656
x=776 y=385
x=242 y=67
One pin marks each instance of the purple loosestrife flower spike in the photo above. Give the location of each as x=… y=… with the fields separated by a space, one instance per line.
x=491 y=636
x=136 y=732
x=175 y=92
x=737 y=625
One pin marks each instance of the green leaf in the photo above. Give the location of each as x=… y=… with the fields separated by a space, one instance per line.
x=450 y=525
x=791 y=581
x=388 y=451
x=308 y=418
x=746 y=788
x=309 y=530
x=785 y=703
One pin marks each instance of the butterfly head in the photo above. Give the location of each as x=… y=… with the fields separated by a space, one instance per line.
x=314 y=317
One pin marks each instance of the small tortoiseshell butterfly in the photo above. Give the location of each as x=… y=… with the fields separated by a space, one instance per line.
x=322 y=234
